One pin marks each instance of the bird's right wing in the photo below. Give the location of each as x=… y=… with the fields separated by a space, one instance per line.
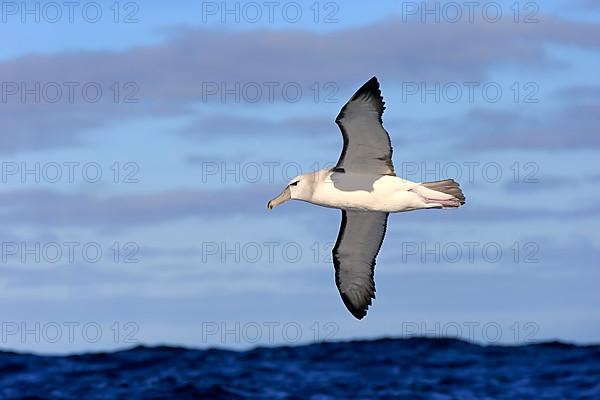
x=359 y=240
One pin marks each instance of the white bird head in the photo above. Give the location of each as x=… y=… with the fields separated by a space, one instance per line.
x=299 y=188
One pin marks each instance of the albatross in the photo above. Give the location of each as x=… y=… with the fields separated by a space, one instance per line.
x=364 y=186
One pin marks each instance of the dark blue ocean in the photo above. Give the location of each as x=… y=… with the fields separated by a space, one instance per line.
x=416 y=368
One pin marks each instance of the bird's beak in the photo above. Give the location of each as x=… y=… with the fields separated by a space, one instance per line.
x=282 y=198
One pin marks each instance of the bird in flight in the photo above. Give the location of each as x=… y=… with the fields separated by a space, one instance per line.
x=365 y=187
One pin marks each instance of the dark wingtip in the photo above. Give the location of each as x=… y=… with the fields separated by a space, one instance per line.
x=369 y=90
x=371 y=86
x=358 y=313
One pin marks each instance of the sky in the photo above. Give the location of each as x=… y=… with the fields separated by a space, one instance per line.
x=141 y=142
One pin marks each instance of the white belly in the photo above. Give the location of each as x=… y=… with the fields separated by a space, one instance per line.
x=368 y=192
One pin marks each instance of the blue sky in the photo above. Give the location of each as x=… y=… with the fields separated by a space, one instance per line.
x=196 y=119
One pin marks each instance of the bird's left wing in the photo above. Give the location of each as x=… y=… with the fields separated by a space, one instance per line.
x=360 y=238
x=367 y=146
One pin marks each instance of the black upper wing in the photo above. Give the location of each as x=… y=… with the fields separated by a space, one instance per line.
x=367 y=146
x=359 y=240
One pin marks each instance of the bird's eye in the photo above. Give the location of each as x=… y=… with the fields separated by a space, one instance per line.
x=294 y=183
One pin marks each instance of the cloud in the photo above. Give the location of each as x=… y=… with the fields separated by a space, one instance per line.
x=589 y=5
x=570 y=126
x=580 y=92
x=170 y=77
x=39 y=130
x=236 y=126
x=543 y=183
x=49 y=208
x=499 y=213
x=494 y=215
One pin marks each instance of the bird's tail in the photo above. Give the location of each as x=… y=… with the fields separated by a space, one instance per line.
x=447 y=186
